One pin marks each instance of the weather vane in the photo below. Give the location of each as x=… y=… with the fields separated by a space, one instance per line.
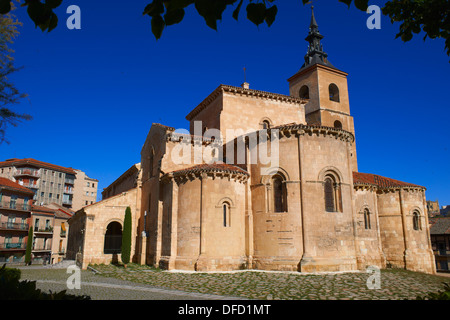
x=245 y=74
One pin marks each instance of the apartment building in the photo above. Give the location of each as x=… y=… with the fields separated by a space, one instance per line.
x=15 y=218
x=50 y=183
x=85 y=191
x=50 y=229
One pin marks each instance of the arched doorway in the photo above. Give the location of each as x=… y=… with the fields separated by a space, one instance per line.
x=113 y=238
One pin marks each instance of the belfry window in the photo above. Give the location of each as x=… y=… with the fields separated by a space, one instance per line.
x=334 y=92
x=266 y=125
x=279 y=194
x=338 y=124
x=332 y=194
x=304 y=92
x=367 y=219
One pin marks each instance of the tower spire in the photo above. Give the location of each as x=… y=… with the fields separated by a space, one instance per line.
x=315 y=53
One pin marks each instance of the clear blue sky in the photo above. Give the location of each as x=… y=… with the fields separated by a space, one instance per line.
x=95 y=92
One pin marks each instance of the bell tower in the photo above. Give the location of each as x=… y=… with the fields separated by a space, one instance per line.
x=324 y=86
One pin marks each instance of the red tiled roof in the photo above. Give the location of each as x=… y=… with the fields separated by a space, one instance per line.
x=37 y=163
x=214 y=167
x=379 y=181
x=11 y=185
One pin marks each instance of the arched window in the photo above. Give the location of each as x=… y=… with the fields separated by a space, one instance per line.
x=338 y=124
x=334 y=92
x=416 y=221
x=226 y=214
x=332 y=194
x=113 y=238
x=304 y=92
x=367 y=219
x=279 y=194
x=265 y=123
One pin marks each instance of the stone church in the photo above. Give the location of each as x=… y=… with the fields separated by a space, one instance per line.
x=261 y=181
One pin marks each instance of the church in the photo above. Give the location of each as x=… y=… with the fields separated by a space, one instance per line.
x=261 y=181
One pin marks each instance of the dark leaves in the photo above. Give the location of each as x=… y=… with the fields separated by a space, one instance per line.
x=5 y=6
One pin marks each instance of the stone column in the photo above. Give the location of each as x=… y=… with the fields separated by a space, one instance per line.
x=405 y=230
x=306 y=257
x=201 y=264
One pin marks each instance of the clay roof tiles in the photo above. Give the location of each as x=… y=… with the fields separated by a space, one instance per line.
x=379 y=181
x=37 y=163
x=14 y=186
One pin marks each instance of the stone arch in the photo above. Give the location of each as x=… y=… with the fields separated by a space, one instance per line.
x=265 y=123
x=333 y=91
x=330 y=170
x=113 y=237
x=225 y=206
x=265 y=179
x=416 y=218
x=304 y=92
x=331 y=179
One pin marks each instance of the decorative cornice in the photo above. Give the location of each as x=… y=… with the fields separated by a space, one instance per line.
x=242 y=91
x=202 y=171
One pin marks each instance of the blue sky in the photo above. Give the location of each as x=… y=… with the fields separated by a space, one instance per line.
x=95 y=92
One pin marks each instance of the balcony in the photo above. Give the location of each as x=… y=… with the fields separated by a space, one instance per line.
x=27 y=172
x=30 y=185
x=14 y=226
x=68 y=191
x=42 y=248
x=69 y=181
x=67 y=201
x=13 y=246
x=15 y=206
x=43 y=230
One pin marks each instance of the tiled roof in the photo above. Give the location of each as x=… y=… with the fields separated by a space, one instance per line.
x=239 y=90
x=379 y=181
x=36 y=163
x=440 y=226
x=214 y=167
x=14 y=186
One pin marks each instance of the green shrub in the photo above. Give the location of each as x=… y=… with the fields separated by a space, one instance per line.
x=13 y=289
x=126 y=237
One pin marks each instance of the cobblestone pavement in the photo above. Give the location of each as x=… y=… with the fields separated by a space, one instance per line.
x=144 y=282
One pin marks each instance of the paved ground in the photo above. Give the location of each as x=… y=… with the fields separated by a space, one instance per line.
x=143 y=282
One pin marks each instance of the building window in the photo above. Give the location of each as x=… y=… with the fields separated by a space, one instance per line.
x=87 y=184
x=93 y=185
x=416 y=221
x=332 y=194
x=226 y=214
x=334 y=92
x=367 y=219
x=304 y=92
x=338 y=124
x=279 y=193
x=266 y=125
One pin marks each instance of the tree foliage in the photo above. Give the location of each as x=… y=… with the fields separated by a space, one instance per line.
x=429 y=16
x=11 y=288
x=9 y=94
x=29 y=246
x=126 y=237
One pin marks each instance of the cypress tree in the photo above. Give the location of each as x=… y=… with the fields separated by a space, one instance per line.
x=126 y=237
x=29 y=245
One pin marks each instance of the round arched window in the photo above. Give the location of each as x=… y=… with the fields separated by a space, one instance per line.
x=334 y=92
x=304 y=92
